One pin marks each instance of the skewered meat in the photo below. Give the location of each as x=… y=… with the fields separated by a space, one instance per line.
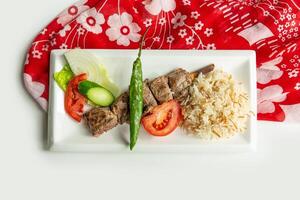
x=204 y=70
x=121 y=108
x=161 y=90
x=149 y=99
x=100 y=120
x=179 y=81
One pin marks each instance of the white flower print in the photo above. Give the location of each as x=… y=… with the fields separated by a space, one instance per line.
x=267 y=96
x=287 y=24
x=37 y=54
x=43 y=103
x=296 y=56
x=296 y=35
x=208 y=32
x=27 y=59
x=211 y=46
x=266 y=13
x=80 y=31
x=293 y=73
x=280 y=28
x=296 y=65
x=43 y=32
x=275 y=2
x=282 y=17
x=154 y=7
x=148 y=22
x=294 y=16
x=123 y=29
x=45 y=47
x=36 y=90
x=156 y=39
x=63 y=32
x=195 y=14
x=271 y=7
x=297 y=86
x=284 y=32
x=52 y=34
x=186 y=2
x=162 y=21
x=182 y=33
x=292 y=60
x=291 y=30
x=178 y=20
x=135 y=10
x=276 y=21
x=72 y=12
x=289 y=16
x=170 y=39
x=293 y=23
x=63 y=46
x=190 y=40
x=289 y=36
x=53 y=42
x=291 y=112
x=91 y=20
x=269 y=71
x=199 y=25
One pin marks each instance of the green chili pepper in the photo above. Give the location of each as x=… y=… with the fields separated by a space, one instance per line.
x=136 y=97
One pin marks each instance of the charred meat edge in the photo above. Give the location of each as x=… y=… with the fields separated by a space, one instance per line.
x=121 y=108
x=161 y=90
x=149 y=99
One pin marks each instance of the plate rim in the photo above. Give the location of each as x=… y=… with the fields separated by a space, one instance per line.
x=251 y=54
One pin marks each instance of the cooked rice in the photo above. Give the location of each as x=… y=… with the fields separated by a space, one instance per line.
x=217 y=106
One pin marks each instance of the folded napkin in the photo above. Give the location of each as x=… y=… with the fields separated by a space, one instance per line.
x=270 y=27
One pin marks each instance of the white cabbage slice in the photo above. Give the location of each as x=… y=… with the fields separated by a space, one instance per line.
x=81 y=61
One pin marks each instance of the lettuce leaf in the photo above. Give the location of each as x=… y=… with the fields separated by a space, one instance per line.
x=63 y=77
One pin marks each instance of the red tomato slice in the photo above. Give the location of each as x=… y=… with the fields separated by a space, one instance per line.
x=163 y=119
x=74 y=101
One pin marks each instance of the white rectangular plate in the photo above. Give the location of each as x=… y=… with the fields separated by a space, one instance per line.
x=68 y=136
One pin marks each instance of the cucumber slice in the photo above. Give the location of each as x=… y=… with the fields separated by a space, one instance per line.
x=84 y=87
x=100 y=96
x=96 y=94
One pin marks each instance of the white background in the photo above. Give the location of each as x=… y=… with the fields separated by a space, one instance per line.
x=27 y=171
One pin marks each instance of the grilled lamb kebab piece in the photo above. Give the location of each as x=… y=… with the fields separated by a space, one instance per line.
x=161 y=90
x=99 y=120
x=121 y=108
x=164 y=88
x=179 y=82
x=121 y=105
x=149 y=99
x=155 y=92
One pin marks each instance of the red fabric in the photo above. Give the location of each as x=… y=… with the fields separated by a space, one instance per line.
x=270 y=27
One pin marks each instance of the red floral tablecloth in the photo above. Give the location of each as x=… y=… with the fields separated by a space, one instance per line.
x=270 y=27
